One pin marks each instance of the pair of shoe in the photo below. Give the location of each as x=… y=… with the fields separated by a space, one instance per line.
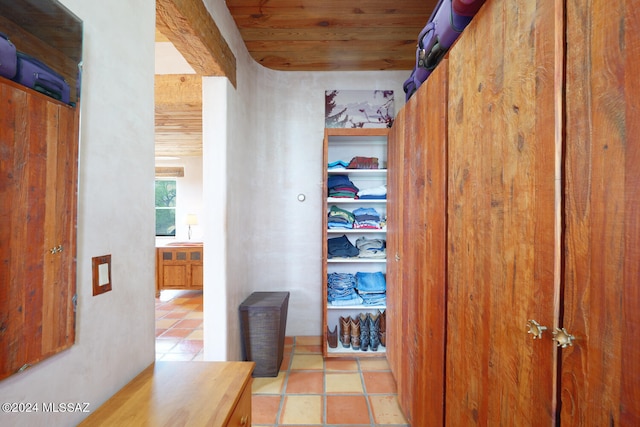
x=364 y=331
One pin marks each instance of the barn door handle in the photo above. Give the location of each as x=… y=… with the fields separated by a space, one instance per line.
x=56 y=249
x=563 y=338
x=535 y=329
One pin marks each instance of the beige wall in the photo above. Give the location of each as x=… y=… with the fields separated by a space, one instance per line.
x=115 y=331
x=263 y=152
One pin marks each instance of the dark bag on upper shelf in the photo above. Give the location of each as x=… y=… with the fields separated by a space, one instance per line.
x=8 y=57
x=448 y=20
x=40 y=77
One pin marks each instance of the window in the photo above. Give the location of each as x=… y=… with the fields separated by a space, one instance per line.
x=165 y=207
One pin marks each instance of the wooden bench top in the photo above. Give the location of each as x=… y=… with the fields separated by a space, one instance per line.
x=177 y=394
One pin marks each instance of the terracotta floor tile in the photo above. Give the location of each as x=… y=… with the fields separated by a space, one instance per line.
x=374 y=364
x=165 y=323
x=176 y=333
x=386 y=410
x=308 y=340
x=347 y=409
x=194 y=315
x=188 y=324
x=197 y=334
x=343 y=383
x=269 y=385
x=341 y=364
x=379 y=382
x=307 y=361
x=309 y=349
x=286 y=361
x=302 y=410
x=303 y=382
x=264 y=409
x=176 y=314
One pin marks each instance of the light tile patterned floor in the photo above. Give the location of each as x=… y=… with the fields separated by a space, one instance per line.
x=308 y=391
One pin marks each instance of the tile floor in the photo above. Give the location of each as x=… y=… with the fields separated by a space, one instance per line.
x=308 y=391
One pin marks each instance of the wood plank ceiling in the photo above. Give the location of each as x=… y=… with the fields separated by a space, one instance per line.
x=290 y=35
x=337 y=35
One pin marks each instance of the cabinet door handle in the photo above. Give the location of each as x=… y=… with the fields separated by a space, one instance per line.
x=563 y=338
x=244 y=420
x=56 y=249
x=535 y=329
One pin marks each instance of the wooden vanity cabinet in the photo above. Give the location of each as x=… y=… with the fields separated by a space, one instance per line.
x=179 y=267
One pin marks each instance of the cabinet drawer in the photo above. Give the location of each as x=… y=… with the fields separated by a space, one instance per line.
x=241 y=416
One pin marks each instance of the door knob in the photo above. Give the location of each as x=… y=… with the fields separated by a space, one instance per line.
x=563 y=338
x=535 y=329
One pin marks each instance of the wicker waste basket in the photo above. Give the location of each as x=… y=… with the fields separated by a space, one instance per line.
x=263 y=319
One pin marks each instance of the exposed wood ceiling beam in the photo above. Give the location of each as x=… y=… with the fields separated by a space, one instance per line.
x=189 y=26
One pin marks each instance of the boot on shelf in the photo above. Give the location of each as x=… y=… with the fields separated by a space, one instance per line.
x=345 y=331
x=374 y=330
x=355 y=333
x=364 y=331
x=383 y=328
x=332 y=337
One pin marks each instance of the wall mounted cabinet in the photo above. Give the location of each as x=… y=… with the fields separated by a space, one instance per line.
x=38 y=195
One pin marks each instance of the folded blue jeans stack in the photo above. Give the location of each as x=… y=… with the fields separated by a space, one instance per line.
x=341 y=289
x=372 y=288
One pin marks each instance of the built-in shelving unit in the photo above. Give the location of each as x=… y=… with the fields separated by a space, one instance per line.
x=344 y=145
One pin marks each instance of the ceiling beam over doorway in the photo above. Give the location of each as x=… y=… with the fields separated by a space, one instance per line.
x=192 y=30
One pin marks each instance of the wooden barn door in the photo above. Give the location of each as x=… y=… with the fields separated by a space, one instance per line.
x=600 y=377
x=503 y=210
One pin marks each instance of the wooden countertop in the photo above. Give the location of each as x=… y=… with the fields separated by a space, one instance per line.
x=172 y=244
x=177 y=393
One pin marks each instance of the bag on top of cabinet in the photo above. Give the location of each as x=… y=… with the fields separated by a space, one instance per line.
x=8 y=57
x=40 y=77
x=448 y=20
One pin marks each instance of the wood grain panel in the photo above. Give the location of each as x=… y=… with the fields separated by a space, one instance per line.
x=38 y=156
x=329 y=6
x=394 y=312
x=326 y=47
x=306 y=61
x=268 y=36
x=307 y=21
x=308 y=25
x=602 y=240
x=417 y=288
x=425 y=222
x=212 y=394
x=501 y=212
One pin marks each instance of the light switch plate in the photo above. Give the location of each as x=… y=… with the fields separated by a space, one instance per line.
x=101 y=272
